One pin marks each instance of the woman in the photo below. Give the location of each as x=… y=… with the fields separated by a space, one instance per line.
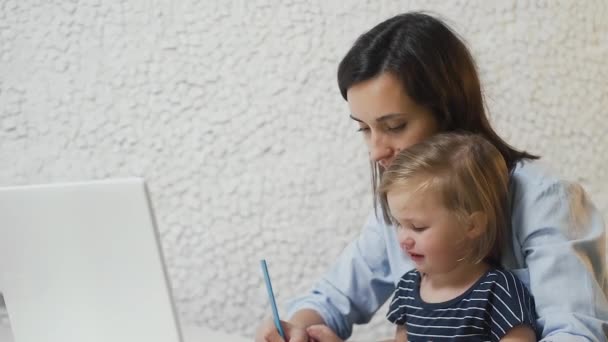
x=406 y=79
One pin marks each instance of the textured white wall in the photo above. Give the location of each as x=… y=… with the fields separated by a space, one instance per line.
x=230 y=110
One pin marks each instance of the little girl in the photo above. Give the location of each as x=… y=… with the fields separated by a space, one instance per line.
x=447 y=196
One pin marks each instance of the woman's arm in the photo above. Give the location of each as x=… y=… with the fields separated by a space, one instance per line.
x=562 y=238
x=355 y=286
x=306 y=317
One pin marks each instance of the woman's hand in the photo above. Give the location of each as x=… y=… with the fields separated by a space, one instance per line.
x=322 y=333
x=267 y=332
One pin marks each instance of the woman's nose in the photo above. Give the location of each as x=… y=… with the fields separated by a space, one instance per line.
x=380 y=152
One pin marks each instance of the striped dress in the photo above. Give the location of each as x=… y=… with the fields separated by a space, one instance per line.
x=497 y=302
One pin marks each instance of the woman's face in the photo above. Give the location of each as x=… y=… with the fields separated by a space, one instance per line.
x=389 y=120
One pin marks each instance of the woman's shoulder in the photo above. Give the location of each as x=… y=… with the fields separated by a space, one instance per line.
x=540 y=198
x=535 y=179
x=534 y=172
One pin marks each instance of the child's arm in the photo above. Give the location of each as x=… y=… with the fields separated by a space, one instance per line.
x=520 y=333
x=400 y=335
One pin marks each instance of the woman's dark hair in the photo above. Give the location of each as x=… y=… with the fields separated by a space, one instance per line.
x=436 y=70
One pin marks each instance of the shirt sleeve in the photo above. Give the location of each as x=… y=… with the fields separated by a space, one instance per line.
x=511 y=305
x=563 y=240
x=355 y=286
x=396 y=310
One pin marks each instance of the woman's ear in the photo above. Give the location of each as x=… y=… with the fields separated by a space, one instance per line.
x=477 y=225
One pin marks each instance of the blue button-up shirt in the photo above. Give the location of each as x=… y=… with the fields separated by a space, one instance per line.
x=557 y=248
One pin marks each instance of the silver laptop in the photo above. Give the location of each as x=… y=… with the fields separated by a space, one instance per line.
x=82 y=262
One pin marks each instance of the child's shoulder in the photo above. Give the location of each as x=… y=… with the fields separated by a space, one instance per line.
x=411 y=275
x=409 y=278
x=504 y=283
x=511 y=304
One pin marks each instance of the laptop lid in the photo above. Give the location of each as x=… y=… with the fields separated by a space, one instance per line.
x=82 y=262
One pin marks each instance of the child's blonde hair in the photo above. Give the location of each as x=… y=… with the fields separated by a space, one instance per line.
x=469 y=174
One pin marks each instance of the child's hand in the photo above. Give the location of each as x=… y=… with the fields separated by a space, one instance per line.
x=322 y=333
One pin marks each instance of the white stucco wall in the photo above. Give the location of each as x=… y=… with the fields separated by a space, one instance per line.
x=230 y=110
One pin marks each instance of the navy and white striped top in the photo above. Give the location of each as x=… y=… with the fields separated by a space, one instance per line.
x=497 y=302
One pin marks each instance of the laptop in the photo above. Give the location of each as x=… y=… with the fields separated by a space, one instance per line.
x=82 y=262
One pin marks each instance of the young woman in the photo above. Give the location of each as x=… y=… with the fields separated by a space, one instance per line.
x=405 y=80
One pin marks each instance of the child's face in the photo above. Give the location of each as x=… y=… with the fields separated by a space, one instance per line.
x=428 y=232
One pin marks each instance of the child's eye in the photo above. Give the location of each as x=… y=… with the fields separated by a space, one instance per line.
x=419 y=228
x=363 y=129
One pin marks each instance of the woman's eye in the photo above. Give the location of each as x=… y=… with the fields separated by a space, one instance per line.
x=419 y=228
x=396 y=128
x=363 y=129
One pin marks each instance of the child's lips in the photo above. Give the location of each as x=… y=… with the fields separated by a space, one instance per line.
x=416 y=256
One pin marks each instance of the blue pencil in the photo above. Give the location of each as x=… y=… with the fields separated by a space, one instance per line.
x=273 y=304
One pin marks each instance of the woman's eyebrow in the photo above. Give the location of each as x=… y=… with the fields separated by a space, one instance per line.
x=382 y=118
x=389 y=116
x=354 y=118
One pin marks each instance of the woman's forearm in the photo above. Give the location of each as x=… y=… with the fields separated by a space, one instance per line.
x=306 y=317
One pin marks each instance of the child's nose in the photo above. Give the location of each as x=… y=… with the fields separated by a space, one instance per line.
x=407 y=243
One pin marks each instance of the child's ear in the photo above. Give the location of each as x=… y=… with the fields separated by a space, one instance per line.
x=478 y=223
